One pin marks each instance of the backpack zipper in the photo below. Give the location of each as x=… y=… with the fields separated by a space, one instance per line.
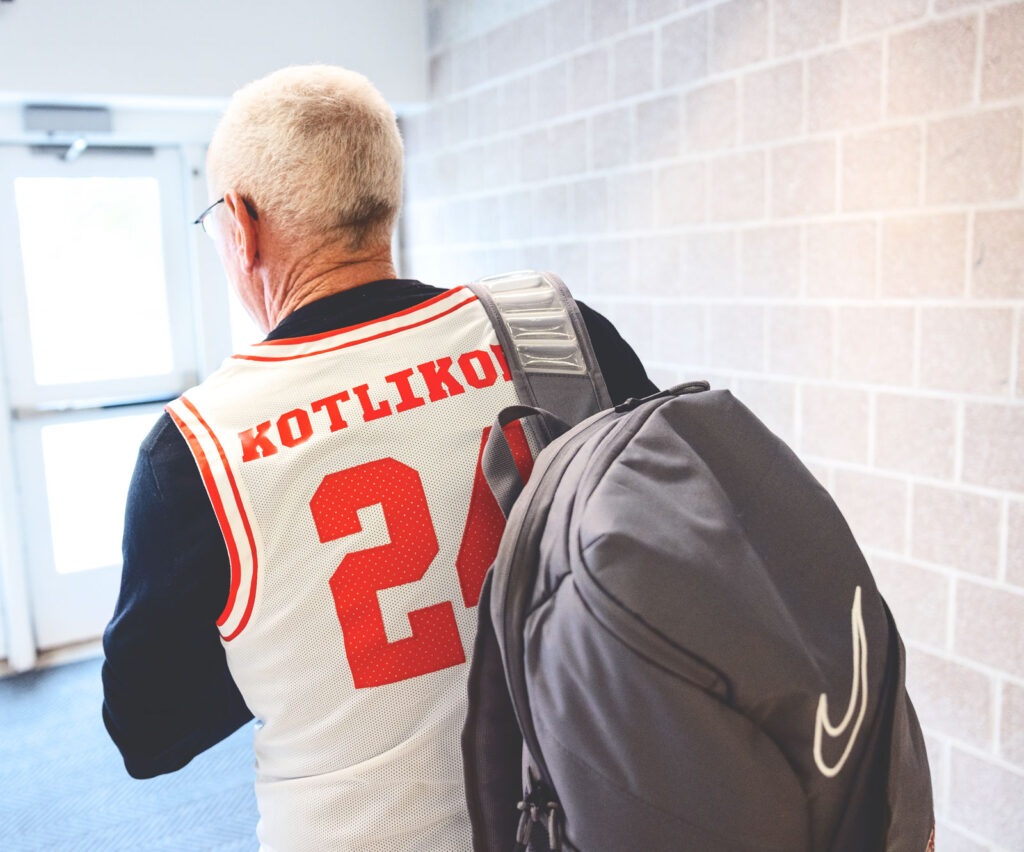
x=542 y=485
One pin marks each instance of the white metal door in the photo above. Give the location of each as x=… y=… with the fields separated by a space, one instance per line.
x=95 y=294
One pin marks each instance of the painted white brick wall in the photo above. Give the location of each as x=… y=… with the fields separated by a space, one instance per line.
x=818 y=204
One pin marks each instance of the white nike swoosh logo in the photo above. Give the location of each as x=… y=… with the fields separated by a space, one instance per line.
x=859 y=689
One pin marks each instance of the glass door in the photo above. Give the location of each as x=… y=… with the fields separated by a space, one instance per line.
x=95 y=293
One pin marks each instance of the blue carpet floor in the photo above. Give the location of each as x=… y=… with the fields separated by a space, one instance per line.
x=63 y=785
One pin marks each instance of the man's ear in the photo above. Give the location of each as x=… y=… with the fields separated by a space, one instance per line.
x=243 y=236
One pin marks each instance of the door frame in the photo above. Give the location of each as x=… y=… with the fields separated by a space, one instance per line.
x=186 y=127
x=67 y=608
x=20 y=645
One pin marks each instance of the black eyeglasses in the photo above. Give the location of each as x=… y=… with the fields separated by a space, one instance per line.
x=201 y=218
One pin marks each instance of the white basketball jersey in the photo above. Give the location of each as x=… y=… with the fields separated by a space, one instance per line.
x=343 y=470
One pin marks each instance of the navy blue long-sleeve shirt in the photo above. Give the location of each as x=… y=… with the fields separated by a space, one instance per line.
x=168 y=694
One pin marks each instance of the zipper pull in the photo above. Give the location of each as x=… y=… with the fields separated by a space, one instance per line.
x=675 y=390
x=523 y=829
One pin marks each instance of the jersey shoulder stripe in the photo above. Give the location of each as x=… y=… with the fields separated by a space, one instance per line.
x=232 y=516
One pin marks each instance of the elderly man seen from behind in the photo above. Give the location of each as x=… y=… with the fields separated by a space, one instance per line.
x=295 y=522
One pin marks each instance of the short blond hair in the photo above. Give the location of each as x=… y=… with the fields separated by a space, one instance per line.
x=314 y=148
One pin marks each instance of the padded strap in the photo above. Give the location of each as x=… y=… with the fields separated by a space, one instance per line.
x=545 y=341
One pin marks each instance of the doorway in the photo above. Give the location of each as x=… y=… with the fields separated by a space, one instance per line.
x=96 y=310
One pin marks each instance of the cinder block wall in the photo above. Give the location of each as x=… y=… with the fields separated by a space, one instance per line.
x=815 y=203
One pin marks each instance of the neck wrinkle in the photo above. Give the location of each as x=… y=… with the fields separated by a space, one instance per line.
x=301 y=285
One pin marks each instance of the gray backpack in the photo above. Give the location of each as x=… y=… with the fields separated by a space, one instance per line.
x=680 y=645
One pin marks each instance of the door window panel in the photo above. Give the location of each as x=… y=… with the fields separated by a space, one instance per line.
x=93 y=263
x=88 y=467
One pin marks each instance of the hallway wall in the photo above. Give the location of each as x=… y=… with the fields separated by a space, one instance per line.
x=817 y=204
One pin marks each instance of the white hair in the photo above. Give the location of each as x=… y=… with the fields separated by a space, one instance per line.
x=315 y=149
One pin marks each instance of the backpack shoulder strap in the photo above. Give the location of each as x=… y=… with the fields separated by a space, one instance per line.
x=546 y=344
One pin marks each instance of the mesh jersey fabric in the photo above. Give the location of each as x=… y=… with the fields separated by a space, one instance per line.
x=356 y=537
x=162 y=647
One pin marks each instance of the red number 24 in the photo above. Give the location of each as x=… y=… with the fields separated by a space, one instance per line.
x=435 y=643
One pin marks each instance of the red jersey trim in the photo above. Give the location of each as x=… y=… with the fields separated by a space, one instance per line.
x=291 y=341
x=248 y=533
x=218 y=507
x=361 y=340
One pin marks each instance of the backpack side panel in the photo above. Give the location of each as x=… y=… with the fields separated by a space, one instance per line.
x=492 y=745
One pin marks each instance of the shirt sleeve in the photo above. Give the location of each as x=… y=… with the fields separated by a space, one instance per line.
x=167 y=691
x=623 y=373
